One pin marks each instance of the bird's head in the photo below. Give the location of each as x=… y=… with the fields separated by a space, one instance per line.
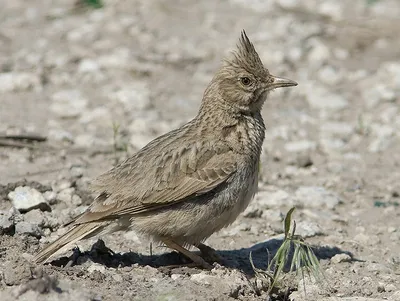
x=242 y=81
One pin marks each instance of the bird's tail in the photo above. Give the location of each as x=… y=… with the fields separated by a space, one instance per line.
x=78 y=232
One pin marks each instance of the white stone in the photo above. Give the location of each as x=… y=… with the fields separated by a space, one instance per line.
x=18 y=81
x=68 y=103
x=96 y=267
x=328 y=75
x=28 y=228
x=315 y=196
x=300 y=146
x=132 y=236
x=308 y=229
x=312 y=291
x=341 y=53
x=60 y=135
x=137 y=97
x=272 y=198
x=381 y=130
x=332 y=9
x=50 y=196
x=367 y=239
x=273 y=215
x=25 y=198
x=88 y=66
x=389 y=114
x=84 y=32
x=176 y=276
x=295 y=54
x=118 y=58
x=379 y=144
x=320 y=98
x=76 y=200
x=339 y=129
x=57 y=186
x=117 y=277
x=393 y=68
x=332 y=144
x=338 y=258
x=65 y=195
x=6 y=222
x=318 y=54
x=377 y=94
x=85 y=140
x=99 y=115
x=203 y=278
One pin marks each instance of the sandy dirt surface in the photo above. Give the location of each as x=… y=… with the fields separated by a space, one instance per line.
x=101 y=83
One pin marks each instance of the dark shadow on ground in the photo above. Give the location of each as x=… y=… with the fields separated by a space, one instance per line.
x=237 y=259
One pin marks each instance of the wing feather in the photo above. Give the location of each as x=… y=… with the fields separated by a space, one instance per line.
x=173 y=176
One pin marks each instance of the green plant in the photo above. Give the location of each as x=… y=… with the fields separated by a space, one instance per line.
x=91 y=3
x=362 y=127
x=302 y=259
x=371 y=2
x=117 y=145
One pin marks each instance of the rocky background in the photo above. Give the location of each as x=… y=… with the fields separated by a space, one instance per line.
x=88 y=86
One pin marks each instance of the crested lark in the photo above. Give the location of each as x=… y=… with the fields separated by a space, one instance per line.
x=193 y=181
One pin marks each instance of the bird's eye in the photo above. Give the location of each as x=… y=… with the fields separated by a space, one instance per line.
x=245 y=81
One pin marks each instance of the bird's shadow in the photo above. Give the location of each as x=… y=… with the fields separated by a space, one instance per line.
x=237 y=259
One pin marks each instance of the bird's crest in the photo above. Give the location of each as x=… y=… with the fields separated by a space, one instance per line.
x=245 y=55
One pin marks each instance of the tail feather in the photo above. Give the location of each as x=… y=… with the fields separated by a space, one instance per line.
x=78 y=232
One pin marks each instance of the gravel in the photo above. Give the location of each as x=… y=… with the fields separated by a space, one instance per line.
x=18 y=82
x=68 y=103
x=102 y=83
x=314 y=196
x=6 y=222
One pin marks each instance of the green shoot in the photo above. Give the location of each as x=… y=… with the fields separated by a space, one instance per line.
x=117 y=145
x=293 y=252
x=91 y=3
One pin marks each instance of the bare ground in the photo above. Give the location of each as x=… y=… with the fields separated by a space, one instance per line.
x=332 y=146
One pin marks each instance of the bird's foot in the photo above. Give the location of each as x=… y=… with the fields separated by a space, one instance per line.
x=209 y=254
x=198 y=261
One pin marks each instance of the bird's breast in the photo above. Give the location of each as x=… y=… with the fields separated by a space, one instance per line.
x=250 y=137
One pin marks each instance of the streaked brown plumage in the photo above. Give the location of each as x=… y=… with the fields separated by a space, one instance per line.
x=193 y=181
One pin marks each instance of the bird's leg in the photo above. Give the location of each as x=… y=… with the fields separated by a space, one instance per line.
x=209 y=253
x=197 y=260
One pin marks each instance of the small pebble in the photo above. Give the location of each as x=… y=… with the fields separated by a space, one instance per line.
x=65 y=195
x=338 y=258
x=314 y=196
x=96 y=267
x=304 y=161
x=50 y=196
x=60 y=185
x=6 y=222
x=381 y=288
x=28 y=228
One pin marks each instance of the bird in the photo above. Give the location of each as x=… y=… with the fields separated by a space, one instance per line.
x=193 y=181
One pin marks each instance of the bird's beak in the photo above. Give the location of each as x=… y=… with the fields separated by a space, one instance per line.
x=280 y=82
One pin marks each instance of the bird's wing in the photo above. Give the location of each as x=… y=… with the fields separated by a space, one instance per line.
x=172 y=176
